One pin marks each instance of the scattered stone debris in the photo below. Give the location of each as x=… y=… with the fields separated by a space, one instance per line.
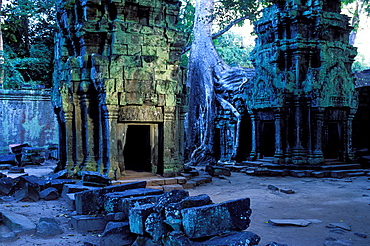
x=286 y=191
x=334 y=242
x=363 y=235
x=340 y=225
x=293 y=222
x=276 y=244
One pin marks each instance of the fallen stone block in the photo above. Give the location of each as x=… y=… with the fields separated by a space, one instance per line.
x=275 y=244
x=91 y=178
x=112 y=200
x=5 y=166
x=243 y=238
x=16 y=170
x=31 y=155
x=6 y=185
x=6 y=235
x=318 y=174
x=17 y=222
x=138 y=216
x=173 y=210
x=21 y=181
x=88 y=223
x=340 y=225
x=287 y=191
x=188 y=176
x=217 y=170
x=173 y=196
x=170 y=181
x=59 y=183
x=168 y=188
x=176 y=238
x=8 y=159
x=144 y=241
x=88 y=202
x=300 y=173
x=47 y=227
x=155 y=226
x=27 y=194
x=127 y=203
x=157 y=182
x=282 y=173
x=189 y=185
x=293 y=222
x=181 y=180
x=49 y=194
x=117 y=234
x=17 y=148
x=63 y=174
x=211 y=220
x=74 y=188
x=359 y=234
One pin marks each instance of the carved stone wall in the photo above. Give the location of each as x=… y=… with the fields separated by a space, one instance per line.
x=302 y=99
x=117 y=76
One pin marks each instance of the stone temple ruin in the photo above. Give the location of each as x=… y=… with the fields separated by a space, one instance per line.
x=300 y=104
x=118 y=87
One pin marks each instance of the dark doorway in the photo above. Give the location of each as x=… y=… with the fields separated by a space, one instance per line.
x=267 y=139
x=137 y=150
x=333 y=144
x=245 y=139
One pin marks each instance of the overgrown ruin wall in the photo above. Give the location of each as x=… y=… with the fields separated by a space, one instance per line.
x=26 y=116
x=118 y=87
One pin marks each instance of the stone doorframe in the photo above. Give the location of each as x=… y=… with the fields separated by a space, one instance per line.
x=155 y=144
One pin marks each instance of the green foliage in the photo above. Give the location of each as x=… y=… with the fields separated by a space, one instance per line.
x=28 y=34
x=232 y=50
x=361 y=63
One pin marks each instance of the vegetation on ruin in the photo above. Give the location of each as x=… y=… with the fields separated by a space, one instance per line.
x=28 y=34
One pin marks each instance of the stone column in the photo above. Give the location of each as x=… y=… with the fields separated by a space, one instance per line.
x=318 y=156
x=253 y=153
x=278 y=156
x=110 y=156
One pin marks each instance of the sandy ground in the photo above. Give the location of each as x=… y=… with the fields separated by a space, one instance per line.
x=328 y=200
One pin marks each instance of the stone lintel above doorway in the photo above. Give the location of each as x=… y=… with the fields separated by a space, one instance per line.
x=140 y=114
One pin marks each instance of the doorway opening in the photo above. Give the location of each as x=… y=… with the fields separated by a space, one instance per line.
x=333 y=144
x=137 y=151
x=267 y=139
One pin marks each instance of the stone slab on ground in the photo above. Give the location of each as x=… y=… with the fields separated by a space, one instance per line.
x=17 y=222
x=293 y=222
x=341 y=225
x=47 y=227
x=211 y=220
x=88 y=202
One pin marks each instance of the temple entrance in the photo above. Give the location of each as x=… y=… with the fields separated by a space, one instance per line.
x=137 y=150
x=267 y=139
x=333 y=142
x=245 y=139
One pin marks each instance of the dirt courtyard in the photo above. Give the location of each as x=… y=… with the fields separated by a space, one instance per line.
x=329 y=200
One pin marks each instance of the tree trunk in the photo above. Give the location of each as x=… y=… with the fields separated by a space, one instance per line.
x=355 y=22
x=1 y=48
x=205 y=66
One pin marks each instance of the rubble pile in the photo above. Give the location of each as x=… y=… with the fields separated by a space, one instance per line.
x=128 y=213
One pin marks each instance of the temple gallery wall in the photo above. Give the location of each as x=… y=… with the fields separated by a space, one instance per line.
x=120 y=96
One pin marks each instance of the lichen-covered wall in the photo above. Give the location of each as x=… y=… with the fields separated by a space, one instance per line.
x=117 y=65
x=27 y=116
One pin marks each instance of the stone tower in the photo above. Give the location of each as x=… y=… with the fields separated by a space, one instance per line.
x=302 y=100
x=118 y=87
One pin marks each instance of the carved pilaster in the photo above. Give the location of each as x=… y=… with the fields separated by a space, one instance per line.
x=349 y=148
x=253 y=153
x=70 y=164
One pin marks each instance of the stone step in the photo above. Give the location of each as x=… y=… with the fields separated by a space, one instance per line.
x=348 y=173
x=341 y=166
